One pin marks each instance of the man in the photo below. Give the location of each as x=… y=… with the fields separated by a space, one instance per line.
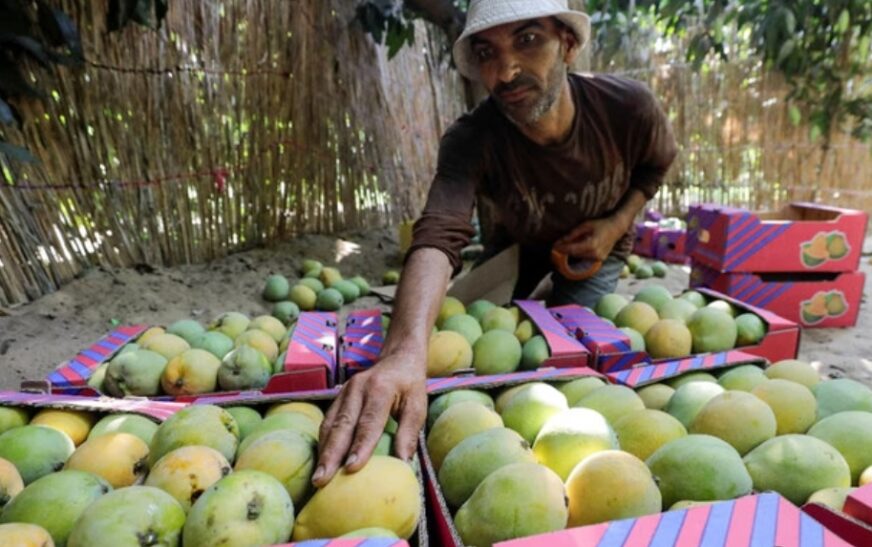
x=566 y=161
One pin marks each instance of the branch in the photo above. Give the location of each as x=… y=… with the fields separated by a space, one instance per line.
x=442 y=13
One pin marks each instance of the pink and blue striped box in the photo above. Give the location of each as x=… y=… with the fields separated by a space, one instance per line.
x=355 y=542
x=362 y=340
x=155 y=410
x=645 y=243
x=761 y=520
x=802 y=237
x=642 y=375
x=670 y=245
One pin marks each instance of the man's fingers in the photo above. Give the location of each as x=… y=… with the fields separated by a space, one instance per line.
x=370 y=426
x=412 y=418
x=336 y=433
x=584 y=249
x=576 y=233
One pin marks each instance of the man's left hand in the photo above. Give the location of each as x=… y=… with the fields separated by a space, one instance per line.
x=591 y=240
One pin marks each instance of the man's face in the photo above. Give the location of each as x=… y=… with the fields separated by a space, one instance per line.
x=523 y=66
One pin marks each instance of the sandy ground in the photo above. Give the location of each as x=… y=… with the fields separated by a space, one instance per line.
x=36 y=337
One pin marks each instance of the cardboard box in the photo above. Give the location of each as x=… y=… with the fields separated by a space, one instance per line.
x=859 y=504
x=812 y=300
x=310 y=362
x=642 y=375
x=670 y=245
x=611 y=348
x=757 y=520
x=355 y=542
x=801 y=237
x=443 y=530
x=154 y=410
x=362 y=341
x=646 y=239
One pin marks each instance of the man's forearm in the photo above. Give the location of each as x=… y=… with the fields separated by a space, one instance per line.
x=419 y=297
x=634 y=201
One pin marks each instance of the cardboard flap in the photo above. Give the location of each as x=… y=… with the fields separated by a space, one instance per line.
x=493 y=280
x=158 y=410
x=76 y=371
x=439 y=385
x=650 y=374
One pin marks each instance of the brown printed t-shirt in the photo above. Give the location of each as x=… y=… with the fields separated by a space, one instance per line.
x=620 y=139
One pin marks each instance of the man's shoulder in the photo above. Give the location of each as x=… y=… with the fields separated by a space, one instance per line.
x=472 y=128
x=618 y=92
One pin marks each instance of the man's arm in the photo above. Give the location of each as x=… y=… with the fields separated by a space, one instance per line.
x=397 y=384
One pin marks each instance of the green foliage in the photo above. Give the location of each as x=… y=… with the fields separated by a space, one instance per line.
x=37 y=35
x=388 y=23
x=821 y=47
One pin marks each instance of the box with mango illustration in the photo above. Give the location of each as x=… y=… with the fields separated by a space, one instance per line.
x=819 y=300
x=801 y=237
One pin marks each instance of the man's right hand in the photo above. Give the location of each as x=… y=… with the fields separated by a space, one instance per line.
x=396 y=386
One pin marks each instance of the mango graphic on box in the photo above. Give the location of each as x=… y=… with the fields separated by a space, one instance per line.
x=815 y=252
x=835 y=303
x=837 y=246
x=814 y=310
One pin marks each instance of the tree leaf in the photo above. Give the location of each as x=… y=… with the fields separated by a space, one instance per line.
x=795 y=115
x=60 y=30
x=17 y=153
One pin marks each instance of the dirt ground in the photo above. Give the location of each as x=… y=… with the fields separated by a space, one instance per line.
x=36 y=337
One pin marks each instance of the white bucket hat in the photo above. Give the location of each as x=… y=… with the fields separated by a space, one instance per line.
x=485 y=14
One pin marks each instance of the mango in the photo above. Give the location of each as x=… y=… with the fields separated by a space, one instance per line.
x=638 y=316
x=286 y=455
x=246 y=418
x=75 y=423
x=679 y=309
x=739 y=418
x=205 y=425
x=795 y=371
x=11 y=417
x=35 y=450
x=612 y=401
x=330 y=276
x=385 y=493
x=450 y=306
x=191 y=372
x=609 y=305
x=637 y=341
x=700 y=468
x=134 y=424
x=517 y=500
x=834 y=498
x=465 y=325
x=796 y=466
x=458 y=422
x=309 y=409
x=750 y=329
x=55 y=502
x=742 y=378
x=294 y=421
x=216 y=343
x=840 y=395
x=695 y=298
x=269 y=325
x=476 y=457
x=642 y=432
x=793 y=404
x=244 y=368
x=850 y=433
x=532 y=406
x=329 y=300
x=21 y=534
x=574 y=390
x=497 y=351
x=135 y=373
x=363 y=287
x=349 y=291
x=505 y=396
x=10 y=482
x=391 y=277
x=286 y=312
x=244 y=508
x=186 y=472
x=570 y=436
x=147 y=335
x=611 y=485
x=655 y=296
x=276 y=288
x=499 y=319
x=168 y=345
x=668 y=339
x=655 y=396
x=187 y=329
x=690 y=398
x=447 y=353
x=712 y=330
x=121 y=459
x=442 y=402
x=309 y=264
x=122 y=518
x=479 y=308
x=689 y=377
x=526 y=330
x=304 y=297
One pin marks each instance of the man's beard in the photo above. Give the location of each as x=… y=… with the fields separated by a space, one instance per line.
x=528 y=115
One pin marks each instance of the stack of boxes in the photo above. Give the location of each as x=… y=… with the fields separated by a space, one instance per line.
x=800 y=262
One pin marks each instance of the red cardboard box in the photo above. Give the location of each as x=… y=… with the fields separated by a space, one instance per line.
x=859 y=504
x=611 y=348
x=310 y=362
x=757 y=520
x=670 y=246
x=362 y=341
x=646 y=239
x=812 y=300
x=800 y=237
x=846 y=527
